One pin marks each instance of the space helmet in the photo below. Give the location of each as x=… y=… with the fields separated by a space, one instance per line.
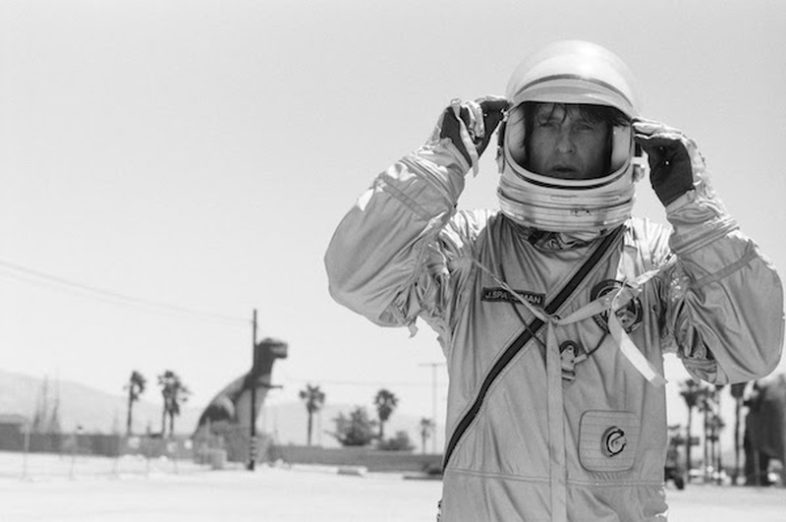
x=570 y=72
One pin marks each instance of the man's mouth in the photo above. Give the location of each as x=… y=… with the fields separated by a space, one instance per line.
x=563 y=171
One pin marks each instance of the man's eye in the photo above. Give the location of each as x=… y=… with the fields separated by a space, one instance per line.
x=585 y=126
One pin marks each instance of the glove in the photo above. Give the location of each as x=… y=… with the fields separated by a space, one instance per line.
x=469 y=125
x=674 y=159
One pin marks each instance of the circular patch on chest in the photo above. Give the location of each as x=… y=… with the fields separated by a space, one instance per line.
x=613 y=441
x=629 y=315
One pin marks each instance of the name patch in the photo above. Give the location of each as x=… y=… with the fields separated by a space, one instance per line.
x=497 y=294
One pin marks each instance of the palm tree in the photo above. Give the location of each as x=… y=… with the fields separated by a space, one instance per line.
x=314 y=398
x=426 y=431
x=716 y=426
x=737 y=393
x=385 y=402
x=135 y=387
x=690 y=392
x=707 y=404
x=174 y=393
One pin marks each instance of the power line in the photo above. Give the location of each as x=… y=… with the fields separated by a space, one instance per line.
x=29 y=275
x=369 y=384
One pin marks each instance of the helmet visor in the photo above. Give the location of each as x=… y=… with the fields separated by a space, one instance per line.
x=579 y=142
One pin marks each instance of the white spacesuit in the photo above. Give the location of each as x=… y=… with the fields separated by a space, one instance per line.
x=562 y=267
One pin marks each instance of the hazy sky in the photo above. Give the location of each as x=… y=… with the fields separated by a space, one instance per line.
x=198 y=154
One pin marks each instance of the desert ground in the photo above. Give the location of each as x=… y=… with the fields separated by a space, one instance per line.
x=51 y=488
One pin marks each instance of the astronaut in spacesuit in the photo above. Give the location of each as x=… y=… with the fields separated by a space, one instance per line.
x=554 y=311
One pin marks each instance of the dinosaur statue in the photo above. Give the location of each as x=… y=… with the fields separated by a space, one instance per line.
x=226 y=420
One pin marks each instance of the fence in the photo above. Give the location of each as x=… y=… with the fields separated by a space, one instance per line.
x=371 y=459
x=41 y=455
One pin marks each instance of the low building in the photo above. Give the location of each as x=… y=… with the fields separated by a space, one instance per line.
x=12 y=431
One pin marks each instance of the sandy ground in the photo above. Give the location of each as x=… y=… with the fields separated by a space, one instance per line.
x=55 y=489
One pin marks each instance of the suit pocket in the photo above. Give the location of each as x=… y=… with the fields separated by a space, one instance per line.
x=608 y=440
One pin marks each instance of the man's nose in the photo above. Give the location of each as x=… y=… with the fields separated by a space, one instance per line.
x=565 y=141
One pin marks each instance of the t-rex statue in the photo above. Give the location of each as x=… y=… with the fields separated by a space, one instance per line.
x=227 y=418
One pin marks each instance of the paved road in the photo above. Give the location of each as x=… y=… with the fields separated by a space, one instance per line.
x=298 y=494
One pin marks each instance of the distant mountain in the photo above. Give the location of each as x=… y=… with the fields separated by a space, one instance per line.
x=99 y=412
x=78 y=405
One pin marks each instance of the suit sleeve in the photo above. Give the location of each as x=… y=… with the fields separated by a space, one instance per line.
x=390 y=257
x=724 y=297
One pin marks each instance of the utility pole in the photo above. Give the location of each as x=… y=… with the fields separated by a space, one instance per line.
x=434 y=400
x=253 y=384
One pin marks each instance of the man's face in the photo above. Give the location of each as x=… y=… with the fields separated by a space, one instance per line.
x=566 y=144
